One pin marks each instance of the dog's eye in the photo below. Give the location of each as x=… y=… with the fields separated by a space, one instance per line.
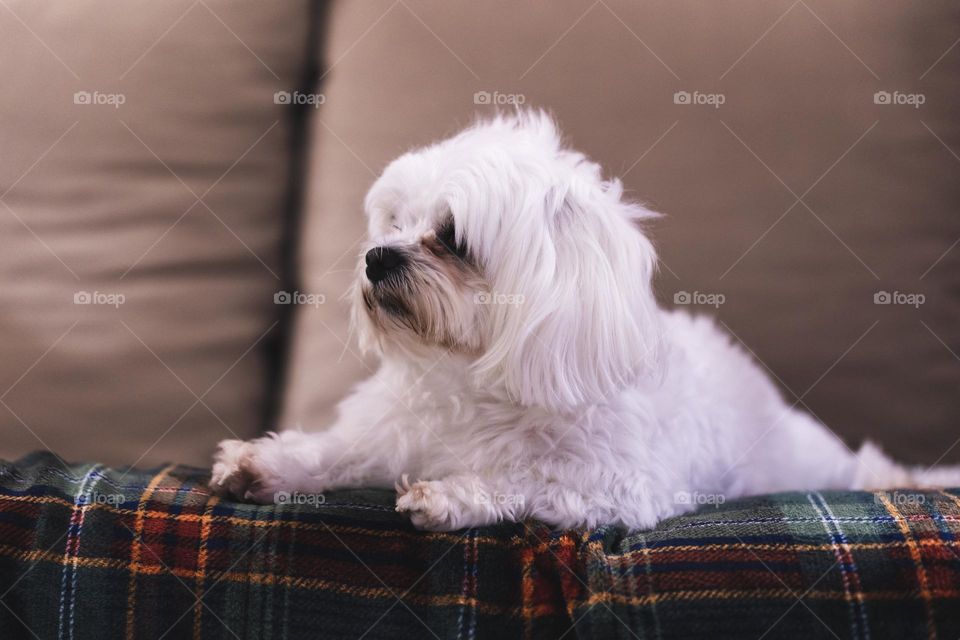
x=447 y=236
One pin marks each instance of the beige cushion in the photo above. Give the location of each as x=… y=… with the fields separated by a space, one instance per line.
x=103 y=197
x=798 y=82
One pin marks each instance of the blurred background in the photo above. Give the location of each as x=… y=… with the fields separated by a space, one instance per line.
x=181 y=186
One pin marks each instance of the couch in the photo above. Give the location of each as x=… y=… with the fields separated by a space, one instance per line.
x=180 y=203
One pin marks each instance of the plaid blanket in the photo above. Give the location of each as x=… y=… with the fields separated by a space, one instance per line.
x=91 y=552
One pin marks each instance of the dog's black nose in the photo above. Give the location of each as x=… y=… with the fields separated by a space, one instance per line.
x=381 y=261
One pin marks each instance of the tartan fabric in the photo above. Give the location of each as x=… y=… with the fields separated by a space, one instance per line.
x=91 y=552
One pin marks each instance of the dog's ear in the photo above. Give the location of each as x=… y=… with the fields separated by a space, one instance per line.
x=584 y=321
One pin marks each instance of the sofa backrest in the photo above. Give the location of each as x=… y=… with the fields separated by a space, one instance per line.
x=144 y=184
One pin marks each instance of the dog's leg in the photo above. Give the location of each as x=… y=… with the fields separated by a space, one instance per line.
x=456 y=502
x=469 y=500
x=295 y=461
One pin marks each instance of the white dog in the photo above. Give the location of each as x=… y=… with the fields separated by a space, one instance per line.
x=527 y=370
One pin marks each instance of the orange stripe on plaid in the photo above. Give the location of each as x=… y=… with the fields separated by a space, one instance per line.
x=952 y=497
x=526 y=586
x=238 y=521
x=917 y=558
x=761 y=546
x=514 y=542
x=596 y=554
x=528 y=611
x=648 y=570
x=205 y=526
x=748 y=594
x=57 y=558
x=134 y=565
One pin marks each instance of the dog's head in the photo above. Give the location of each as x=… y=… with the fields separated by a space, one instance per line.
x=501 y=245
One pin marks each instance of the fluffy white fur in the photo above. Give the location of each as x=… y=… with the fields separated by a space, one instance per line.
x=534 y=374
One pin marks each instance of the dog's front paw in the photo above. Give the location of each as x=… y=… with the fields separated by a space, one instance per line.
x=428 y=504
x=227 y=477
x=237 y=472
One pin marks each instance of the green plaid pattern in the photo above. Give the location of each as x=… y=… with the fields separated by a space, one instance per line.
x=92 y=552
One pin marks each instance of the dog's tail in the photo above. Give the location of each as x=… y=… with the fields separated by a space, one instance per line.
x=876 y=470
